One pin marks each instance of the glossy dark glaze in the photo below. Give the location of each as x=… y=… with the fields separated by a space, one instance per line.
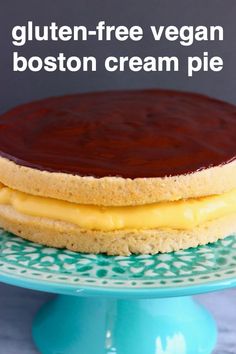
x=150 y=133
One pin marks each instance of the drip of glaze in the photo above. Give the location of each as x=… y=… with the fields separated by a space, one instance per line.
x=150 y=133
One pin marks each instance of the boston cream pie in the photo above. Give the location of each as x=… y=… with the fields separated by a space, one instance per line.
x=119 y=172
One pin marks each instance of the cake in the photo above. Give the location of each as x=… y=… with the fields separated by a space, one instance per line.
x=119 y=172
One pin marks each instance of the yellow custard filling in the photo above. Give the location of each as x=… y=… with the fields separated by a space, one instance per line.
x=182 y=214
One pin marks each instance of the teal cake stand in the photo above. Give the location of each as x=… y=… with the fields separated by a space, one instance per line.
x=120 y=305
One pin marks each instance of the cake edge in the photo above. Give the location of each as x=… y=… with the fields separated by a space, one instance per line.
x=118 y=191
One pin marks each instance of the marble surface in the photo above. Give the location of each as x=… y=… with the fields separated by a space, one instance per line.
x=18 y=306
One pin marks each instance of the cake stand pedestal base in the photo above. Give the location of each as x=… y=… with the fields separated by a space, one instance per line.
x=92 y=325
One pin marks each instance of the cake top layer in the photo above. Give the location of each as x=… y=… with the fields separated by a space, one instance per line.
x=150 y=133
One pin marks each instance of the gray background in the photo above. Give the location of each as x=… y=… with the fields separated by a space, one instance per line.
x=17 y=306
x=21 y=87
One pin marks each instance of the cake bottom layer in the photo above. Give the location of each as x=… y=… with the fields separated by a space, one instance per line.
x=121 y=242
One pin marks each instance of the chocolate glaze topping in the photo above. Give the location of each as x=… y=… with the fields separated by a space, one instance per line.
x=151 y=133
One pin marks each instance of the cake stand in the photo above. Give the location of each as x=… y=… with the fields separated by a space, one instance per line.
x=120 y=305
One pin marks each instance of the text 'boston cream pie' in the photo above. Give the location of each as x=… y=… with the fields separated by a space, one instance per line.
x=119 y=172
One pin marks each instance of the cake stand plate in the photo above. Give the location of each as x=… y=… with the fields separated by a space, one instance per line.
x=120 y=305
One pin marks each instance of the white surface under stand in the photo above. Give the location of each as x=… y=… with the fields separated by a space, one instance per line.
x=18 y=307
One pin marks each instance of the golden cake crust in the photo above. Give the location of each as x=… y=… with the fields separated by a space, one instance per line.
x=118 y=191
x=65 y=235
